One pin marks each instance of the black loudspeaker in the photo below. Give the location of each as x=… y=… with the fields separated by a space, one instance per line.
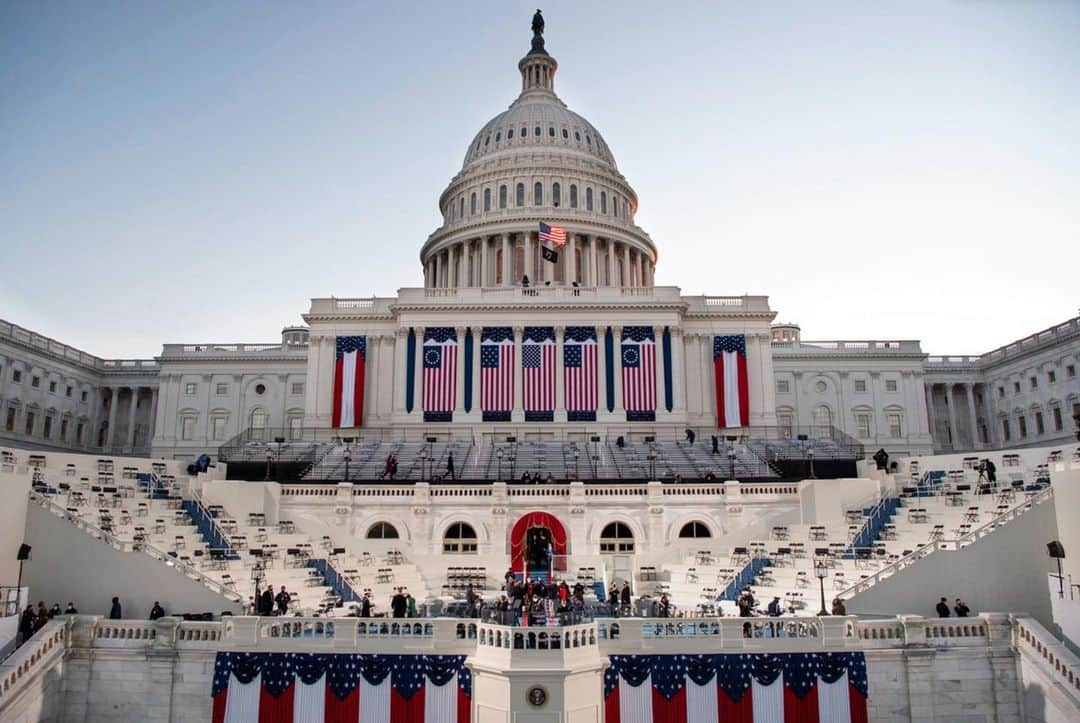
x=802 y=438
x=650 y=439
x=431 y=440
x=511 y=440
x=594 y=438
x=279 y=440
x=1055 y=549
x=24 y=552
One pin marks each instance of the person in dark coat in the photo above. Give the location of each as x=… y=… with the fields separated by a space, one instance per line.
x=715 y=444
x=282 y=600
x=613 y=600
x=398 y=604
x=71 y=609
x=961 y=609
x=881 y=458
x=157 y=612
x=450 y=466
x=624 y=596
x=943 y=608
x=115 y=613
x=266 y=601
x=27 y=624
x=690 y=436
x=365 y=607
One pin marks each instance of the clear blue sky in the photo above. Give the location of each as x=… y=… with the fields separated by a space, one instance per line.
x=185 y=171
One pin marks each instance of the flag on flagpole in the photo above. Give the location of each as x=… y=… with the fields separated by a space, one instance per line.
x=333 y=688
x=732 y=384
x=549 y=254
x=580 y=353
x=538 y=373
x=440 y=374
x=351 y=352
x=496 y=373
x=638 y=356
x=552 y=234
x=737 y=688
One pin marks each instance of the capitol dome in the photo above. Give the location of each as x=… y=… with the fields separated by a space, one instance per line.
x=535 y=162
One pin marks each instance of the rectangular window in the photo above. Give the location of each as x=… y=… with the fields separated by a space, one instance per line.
x=16 y=375
x=218 y=428
x=862 y=421
x=189 y=389
x=187 y=428
x=782 y=386
x=1039 y=428
x=78 y=433
x=890 y=385
x=896 y=426
x=63 y=429
x=9 y=422
x=84 y=395
x=35 y=382
x=1001 y=392
x=1051 y=377
x=52 y=387
x=296 y=427
x=1016 y=387
x=787 y=424
x=1022 y=424
x=29 y=429
x=298 y=388
x=46 y=430
x=69 y=391
x=221 y=389
x=860 y=385
x=1006 y=433
x=1070 y=371
x=1034 y=382
x=1056 y=414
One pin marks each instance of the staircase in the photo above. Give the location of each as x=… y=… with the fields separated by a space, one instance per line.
x=334 y=580
x=876 y=518
x=744 y=578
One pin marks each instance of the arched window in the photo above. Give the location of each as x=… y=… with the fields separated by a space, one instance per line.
x=603 y=202
x=551 y=131
x=536 y=131
x=577 y=136
x=616 y=538
x=487 y=140
x=588 y=199
x=538 y=193
x=573 y=195
x=520 y=195
x=382 y=531
x=556 y=194
x=519 y=262
x=498 y=136
x=694 y=529
x=472 y=205
x=487 y=199
x=502 y=196
x=460 y=539
x=565 y=134
x=524 y=132
x=822 y=420
x=498 y=267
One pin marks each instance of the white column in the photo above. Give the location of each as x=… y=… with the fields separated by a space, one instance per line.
x=975 y=442
x=612 y=278
x=418 y=374
x=154 y=393
x=620 y=408
x=372 y=363
x=624 y=266
x=459 y=376
x=401 y=372
x=590 y=273
x=601 y=356
x=132 y=408
x=518 y=414
x=483 y=280
x=930 y=417
x=438 y=270
x=560 y=392
x=527 y=267
x=111 y=435
x=661 y=365
x=571 y=261
x=476 y=411
x=678 y=372
x=466 y=266
x=507 y=261
x=950 y=397
x=94 y=398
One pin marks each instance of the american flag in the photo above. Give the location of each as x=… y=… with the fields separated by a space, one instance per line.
x=638 y=355
x=552 y=234
x=740 y=688
x=496 y=373
x=317 y=688
x=579 y=373
x=732 y=382
x=440 y=373
x=538 y=373
x=350 y=354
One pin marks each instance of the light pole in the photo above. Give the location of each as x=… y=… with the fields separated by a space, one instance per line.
x=731 y=463
x=257 y=576
x=810 y=455
x=269 y=461
x=348 y=458
x=499 y=454
x=822 y=571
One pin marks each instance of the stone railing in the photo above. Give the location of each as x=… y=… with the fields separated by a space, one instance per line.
x=40 y=654
x=909 y=630
x=955 y=544
x=444 y=635
x=633 y=635
x=1032 y=639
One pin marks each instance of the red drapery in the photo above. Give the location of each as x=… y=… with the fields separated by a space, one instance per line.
x=521 y=529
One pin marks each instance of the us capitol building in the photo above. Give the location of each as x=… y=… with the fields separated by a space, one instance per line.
x=539 y=162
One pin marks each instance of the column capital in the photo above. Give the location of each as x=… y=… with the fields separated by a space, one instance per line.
x=460 y=331
x=519 y=330
x=560 y=329
x=401 y=332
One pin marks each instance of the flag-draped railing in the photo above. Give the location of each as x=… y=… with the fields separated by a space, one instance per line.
x=334 y=688
x=736 y=688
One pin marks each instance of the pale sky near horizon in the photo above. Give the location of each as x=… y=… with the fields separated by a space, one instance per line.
x=197 y=172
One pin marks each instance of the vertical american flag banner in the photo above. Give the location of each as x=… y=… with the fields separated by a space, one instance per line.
x=538 y=373
x=638 y=355
x=350 y=354
x=737 y=688
x=440 y=373
x=496 y=373
x=334 y=688
x=732 y=385
x=580 y=353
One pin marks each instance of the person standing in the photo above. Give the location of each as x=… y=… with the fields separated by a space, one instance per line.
x=715 y=444
x=624 y=597
x=115 y=613
x=943 y=608
x=27 y=624
x=450 y=467
x=71 y=609
x=282 y=600
x=266 y=602
x=398 y=605
x=365 y=606
x=690 y=436
x=961 y=609
x=157 y=612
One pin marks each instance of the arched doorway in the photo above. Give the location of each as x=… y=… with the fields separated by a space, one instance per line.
x=530 y=538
